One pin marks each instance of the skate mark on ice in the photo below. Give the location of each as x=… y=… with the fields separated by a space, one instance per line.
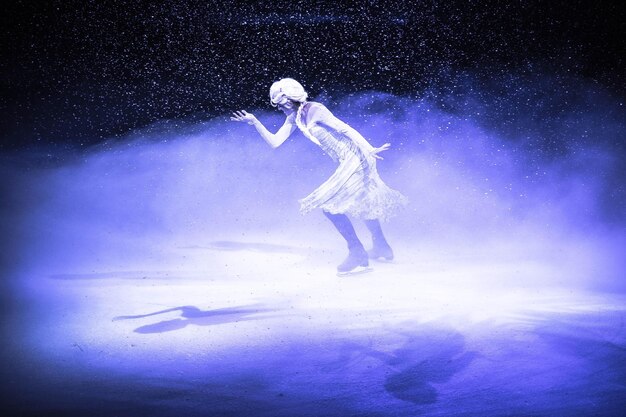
x=231 y=246
x=130 y=275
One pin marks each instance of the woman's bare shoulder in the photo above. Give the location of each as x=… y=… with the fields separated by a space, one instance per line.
x=316 y=111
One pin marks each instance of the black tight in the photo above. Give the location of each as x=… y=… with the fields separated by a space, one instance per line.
x=377 y=232
x=345 y=227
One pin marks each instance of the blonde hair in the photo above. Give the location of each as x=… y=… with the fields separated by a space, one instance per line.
x=287 y=89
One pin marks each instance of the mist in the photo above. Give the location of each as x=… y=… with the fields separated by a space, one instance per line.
x=484 y=180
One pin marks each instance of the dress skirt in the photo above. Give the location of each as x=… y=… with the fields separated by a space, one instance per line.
x=355 y=188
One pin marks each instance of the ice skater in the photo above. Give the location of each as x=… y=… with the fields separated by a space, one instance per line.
x=354 y=189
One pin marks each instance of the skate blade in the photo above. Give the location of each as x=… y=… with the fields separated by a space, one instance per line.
x=383 y=260
x=356 y=271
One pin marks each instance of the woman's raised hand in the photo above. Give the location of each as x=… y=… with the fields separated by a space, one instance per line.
x=243 y=116
x=374 y=152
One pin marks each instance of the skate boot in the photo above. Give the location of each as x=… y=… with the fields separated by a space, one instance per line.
x=355 y=263
x=381 y=252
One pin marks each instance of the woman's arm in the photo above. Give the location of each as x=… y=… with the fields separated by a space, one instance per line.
x=272 y=139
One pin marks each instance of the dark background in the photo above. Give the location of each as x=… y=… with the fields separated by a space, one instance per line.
x=77 y=72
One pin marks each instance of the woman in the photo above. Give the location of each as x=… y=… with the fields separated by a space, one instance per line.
x=355 y=188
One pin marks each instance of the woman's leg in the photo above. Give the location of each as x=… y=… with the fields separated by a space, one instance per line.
x=380 y=247
x=357 y=256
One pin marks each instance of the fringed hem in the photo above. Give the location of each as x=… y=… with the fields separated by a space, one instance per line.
x=380 y=205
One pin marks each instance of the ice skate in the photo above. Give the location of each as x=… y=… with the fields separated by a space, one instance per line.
x=381 y=253
x=355 y=263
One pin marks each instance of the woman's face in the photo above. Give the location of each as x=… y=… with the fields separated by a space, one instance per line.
x=280 y=100
x=286 y=106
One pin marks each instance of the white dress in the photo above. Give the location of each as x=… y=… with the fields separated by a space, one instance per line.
x=355 y=188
